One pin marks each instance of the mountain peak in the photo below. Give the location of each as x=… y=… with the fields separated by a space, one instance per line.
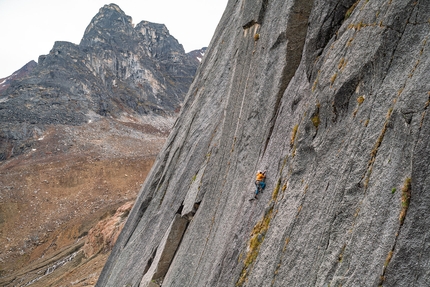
x=109 y=19
x=112 y=6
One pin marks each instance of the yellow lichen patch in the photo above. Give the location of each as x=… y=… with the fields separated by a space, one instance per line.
x=340 y=258
x=276 y=190
x=355 y=112
x=293 y=153
x=357 y=212
x=428 y=102
x=390 y=111
x=257 y=238
x=360 y=25
x=388 y=259
x=240 y=257
x=314 y=86
x=339 y=66
x=360 y=100
x=406 y=196
x=342 y=64
x=316 y=116
x=351 y=9
x=366 y=123
x=293 y=135
x=333 y=78
x=284 y=187
x=316 y=120
x=286 y=244
x=381 y=136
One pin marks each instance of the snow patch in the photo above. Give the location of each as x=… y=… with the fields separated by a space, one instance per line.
x=200 y=59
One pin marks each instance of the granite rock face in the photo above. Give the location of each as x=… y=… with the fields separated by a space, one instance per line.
x=117 y=71
x=331 y=98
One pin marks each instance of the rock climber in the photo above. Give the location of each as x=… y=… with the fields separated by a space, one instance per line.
x=260 y=182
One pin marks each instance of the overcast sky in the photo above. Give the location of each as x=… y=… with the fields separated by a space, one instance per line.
x=29 y=28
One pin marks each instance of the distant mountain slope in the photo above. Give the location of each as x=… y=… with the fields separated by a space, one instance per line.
x=117 y=70
x=198 y=54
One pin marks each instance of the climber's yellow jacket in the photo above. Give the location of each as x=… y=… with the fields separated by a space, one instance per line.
x=260 y=176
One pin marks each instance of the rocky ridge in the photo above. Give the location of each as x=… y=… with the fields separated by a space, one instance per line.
x=17 y=75
x=331 y=97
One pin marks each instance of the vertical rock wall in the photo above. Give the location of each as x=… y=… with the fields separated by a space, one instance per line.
x=331 y=97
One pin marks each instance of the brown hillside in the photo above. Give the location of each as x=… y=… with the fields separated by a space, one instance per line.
x=52 y=196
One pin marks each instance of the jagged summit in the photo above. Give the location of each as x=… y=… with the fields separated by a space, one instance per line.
x=106 y=26
x=112 y=27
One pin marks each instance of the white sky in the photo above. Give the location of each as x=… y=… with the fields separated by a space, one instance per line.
x=29 y=28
